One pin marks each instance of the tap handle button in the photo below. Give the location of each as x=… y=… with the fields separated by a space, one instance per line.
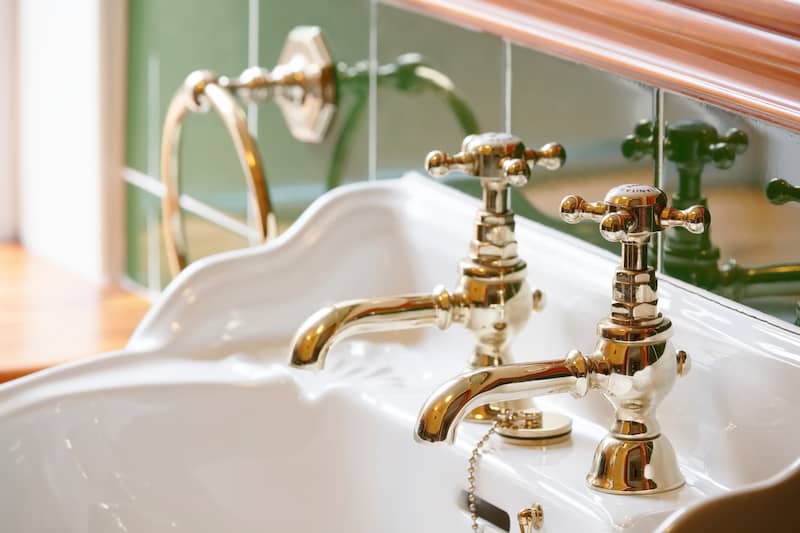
x=639 y=143
x=615 y=226
x=723 y=152
x=633 y=211
x=575 y=209
x=439 y=164
x=695 y=219
x=551 y=156
x=516 y=172
x=780 y=191
x=496 y=157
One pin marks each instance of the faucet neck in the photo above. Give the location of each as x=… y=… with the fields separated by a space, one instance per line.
x=494 y=244
x=634 y=297
x=634 y=315
x=496 y=197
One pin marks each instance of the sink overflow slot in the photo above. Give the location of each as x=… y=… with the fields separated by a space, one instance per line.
x=486 y=511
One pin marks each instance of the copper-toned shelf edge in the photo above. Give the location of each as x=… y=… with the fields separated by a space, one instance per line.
x=728 y=64
x=778 y=16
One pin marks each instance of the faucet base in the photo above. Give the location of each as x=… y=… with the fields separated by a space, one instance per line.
x=534 y=428
x=646 y=466
x=522 y=423
x=487 y=414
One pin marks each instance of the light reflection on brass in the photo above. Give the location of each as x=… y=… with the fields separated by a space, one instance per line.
x=633 y=364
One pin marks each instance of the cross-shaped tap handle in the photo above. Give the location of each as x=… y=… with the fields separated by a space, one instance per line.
x=631 y=213
x=687 y=142
x=499 y=158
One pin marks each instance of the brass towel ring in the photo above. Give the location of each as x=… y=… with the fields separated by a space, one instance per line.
x=203 y=90
x=303 y=84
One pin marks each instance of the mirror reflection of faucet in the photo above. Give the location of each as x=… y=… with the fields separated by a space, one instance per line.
x=492 y=299
x=633 y=362
x=779 y=192
x=691 y=145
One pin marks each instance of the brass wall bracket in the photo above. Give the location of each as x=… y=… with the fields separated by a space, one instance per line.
x=302 y=84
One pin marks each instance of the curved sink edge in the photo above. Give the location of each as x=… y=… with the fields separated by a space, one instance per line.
x=733 y=502
x=176 y=296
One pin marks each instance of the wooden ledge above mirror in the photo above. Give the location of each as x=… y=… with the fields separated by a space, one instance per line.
x=744 y=61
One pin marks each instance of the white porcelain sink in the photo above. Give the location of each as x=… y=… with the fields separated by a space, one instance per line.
x=199 y=425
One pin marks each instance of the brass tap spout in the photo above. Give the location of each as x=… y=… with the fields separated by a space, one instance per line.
x=492 y=298
x=449 y=404
x=318 y=333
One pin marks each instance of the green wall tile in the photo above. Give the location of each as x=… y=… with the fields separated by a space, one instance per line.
x=168 y=41
x=205 y=238
x=587 y=111
x=297 y=172
x=412 y=118
x=142 y=214
x=142 y=36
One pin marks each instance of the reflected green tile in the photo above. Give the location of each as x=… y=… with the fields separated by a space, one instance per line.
x=412 y=118
x=299 y=172
x=589 y=112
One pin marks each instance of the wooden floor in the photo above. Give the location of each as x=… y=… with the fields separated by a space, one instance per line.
x=48 y=315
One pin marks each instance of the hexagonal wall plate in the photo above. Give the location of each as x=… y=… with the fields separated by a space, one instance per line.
x=308 y=107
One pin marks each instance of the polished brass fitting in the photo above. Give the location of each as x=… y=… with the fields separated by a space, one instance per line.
x=302 y=84
x=492 y=298
x=633 y=363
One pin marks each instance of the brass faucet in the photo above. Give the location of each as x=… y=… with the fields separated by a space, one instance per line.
x=633 y=363
x=492 y=299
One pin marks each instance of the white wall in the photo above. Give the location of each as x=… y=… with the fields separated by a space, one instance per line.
x=71 y=77
x=8 y=151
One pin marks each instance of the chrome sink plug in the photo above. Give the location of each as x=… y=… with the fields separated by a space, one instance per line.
x=633 y=363
x=492 y=299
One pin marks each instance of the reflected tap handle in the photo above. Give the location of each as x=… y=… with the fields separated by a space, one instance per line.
x=687 y=142
x=641 y=142
x=780 y=191
x=631 y=213
x=497 y=158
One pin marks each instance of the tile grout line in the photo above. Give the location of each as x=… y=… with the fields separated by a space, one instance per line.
x=507 y=96
x=507 y=85
x=372 y=156
x=658 y=163
x=252 y=108
x=189 y=204
x=252 y=58
x=153 y=220
x=154 y=111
